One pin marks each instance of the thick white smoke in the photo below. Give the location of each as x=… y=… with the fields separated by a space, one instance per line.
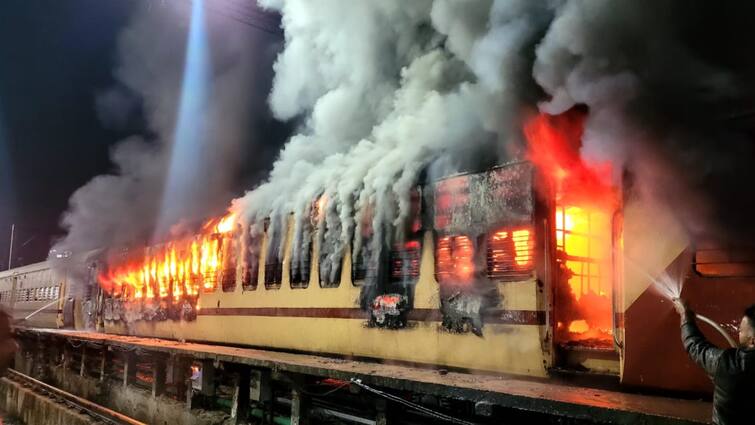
x=389 y=90
x=120 y=209
x=661 y=94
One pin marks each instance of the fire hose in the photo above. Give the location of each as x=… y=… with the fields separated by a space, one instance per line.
x=718 y=328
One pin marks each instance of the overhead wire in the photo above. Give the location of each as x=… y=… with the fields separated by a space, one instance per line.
x=244 y=17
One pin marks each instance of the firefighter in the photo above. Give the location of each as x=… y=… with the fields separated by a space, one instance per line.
x=732 y=370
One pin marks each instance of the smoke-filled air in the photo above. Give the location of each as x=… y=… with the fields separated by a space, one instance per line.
x=386 y=95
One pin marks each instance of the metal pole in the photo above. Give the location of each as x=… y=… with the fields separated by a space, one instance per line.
x=10 y=250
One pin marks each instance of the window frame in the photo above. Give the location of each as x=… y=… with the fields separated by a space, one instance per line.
x=516 y=274
x=305 y=278
x=747 y=264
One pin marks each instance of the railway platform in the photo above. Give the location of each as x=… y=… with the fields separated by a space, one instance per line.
x=485 y=392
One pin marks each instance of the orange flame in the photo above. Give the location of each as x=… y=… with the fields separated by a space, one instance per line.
x=585 y=203
x=175 y=269
x=455 y=259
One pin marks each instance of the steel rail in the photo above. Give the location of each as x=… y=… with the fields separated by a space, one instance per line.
x=95 y=410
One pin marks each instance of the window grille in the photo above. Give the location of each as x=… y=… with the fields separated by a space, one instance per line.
x=454 y=260
x=405 y=262
x=510 y=254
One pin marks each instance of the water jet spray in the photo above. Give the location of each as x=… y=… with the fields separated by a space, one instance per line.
x=671 y=289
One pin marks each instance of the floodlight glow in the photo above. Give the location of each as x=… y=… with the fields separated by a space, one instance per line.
x=189 y=135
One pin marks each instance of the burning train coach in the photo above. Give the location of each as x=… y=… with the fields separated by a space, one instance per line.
x=164 y=281
x=534 y=267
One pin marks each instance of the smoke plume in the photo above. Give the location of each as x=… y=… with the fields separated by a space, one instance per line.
x=390 y=90
x=121 y=209
x=388 y=93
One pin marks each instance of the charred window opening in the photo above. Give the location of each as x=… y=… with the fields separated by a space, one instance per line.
x=510 y=254
x=325 y=230
x=331 y=257
x=405 y=256
x=360 y=262
x=405 y=262
x=252 y=247
x=249 y=275
x=390 y=268
x=300 y=271
x=273 y=261
x=273 y=272
x=229 y=257
x=716 y=260
x=330 y=270
x=363 y=267
x=455 y=260
x=209 y=262
x=228 y=279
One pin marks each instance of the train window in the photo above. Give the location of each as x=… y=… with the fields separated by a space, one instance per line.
x=330 y=269
x=454 y=260
x=364 y=267
x=300 y=267
x=331 y=259
x=228 y=279
x=360 y=262
x=273 y=260
x=713 y=260
x=273 y=272
x=249 y=276
x=209 y=283
x=510 y=253
x=250 y=270
x=22 y=295
x=405 y=258
x=405 y=262
x=228 y=270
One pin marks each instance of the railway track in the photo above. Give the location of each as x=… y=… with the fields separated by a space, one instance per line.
x=96 y=411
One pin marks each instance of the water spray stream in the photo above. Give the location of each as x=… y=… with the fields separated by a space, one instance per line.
x=671 y=289
x=667 y=286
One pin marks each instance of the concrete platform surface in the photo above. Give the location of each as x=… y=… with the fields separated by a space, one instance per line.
x=544 y=396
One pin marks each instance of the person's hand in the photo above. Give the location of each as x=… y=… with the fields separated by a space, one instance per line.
x=681 y=306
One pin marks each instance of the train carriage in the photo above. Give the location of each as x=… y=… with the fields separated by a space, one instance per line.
x=502 y=271
x=490 y=282
x=32 y=295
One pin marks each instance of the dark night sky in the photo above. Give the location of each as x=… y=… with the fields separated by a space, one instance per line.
x=55 y=57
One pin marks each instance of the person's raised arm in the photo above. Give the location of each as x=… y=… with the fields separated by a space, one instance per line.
x=702 y=352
